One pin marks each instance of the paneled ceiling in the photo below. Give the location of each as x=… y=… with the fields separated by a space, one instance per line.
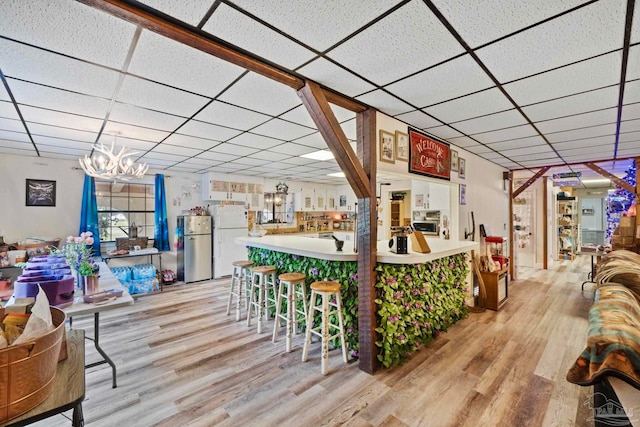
x=521 y=84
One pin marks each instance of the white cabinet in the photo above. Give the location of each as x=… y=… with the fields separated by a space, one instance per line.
x=255 y=196
x=223 y=187
x=305 y=199
x=419 y=195
x=320 y=199
x=331 y=199
x=346 y=201
x=439 y=197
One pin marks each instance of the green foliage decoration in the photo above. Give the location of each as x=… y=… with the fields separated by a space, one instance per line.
x=344 y=272
x=417 y=302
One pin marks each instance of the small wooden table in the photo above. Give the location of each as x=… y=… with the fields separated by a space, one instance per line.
x=68 y=387
x=496 y=285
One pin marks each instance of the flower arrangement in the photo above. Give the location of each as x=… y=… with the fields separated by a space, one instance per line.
x=78 y=253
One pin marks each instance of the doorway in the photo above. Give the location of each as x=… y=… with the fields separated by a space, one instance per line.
x=524 y=209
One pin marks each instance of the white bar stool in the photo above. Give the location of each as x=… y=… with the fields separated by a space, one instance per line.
x=240 y=279
x=263 y=278
x=326 y=289
x=294 y=282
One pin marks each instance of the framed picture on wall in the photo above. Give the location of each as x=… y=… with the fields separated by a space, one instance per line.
x=463 y=194
x=40 y=192
x=462 y=167
x=454 y=161
x=402 y=146
x=387 y=147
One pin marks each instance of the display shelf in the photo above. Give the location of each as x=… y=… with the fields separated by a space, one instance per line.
x=568 y=230
x=496 y=285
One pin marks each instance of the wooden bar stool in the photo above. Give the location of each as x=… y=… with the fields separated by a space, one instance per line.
x=294 y=283
x=326 y=290
x=240 y=279
x=263 y=278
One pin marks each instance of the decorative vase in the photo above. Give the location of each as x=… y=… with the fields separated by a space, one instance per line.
x=89 y=285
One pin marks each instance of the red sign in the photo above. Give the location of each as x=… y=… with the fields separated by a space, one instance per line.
x=428 y=156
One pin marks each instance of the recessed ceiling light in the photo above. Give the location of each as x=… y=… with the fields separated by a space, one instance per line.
x=319 y=155
x=337 y=174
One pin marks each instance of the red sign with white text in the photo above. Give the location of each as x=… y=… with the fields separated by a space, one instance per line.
x=428 y=156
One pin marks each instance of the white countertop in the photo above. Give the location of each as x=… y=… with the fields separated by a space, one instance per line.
x=326 y=249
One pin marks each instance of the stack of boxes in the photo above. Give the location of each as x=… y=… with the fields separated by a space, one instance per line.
x=137 y=279
x=624 y=237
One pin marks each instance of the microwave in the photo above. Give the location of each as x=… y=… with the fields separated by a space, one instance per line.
x=431 y=228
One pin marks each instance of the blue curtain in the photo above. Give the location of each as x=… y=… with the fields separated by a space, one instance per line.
x=89 y=212
x=161 y=235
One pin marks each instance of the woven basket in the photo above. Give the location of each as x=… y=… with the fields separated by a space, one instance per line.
x=27 y=370
x=127 y=244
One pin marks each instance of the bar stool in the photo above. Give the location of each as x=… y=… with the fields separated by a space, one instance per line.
x=239 y=278
x=326 y=290
x=294 y=283
x=262 y=278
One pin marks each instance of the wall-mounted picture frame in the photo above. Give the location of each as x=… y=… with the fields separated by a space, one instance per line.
x=462 y=168
x=419 y=199
x=454 y=161
x=463 y=194
x=402 y=146
x=387 y=147
x=40 y=192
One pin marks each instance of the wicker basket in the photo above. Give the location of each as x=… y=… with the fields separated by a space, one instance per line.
x=27 y=370
x=127 y=244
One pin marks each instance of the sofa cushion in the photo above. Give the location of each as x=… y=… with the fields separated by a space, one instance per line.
x=613 y=342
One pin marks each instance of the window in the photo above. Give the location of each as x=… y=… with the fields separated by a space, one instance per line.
x=121 y=206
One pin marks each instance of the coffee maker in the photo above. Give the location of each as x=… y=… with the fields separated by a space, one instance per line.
x=399 y=243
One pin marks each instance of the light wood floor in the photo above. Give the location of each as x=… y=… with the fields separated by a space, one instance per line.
x=183 y=362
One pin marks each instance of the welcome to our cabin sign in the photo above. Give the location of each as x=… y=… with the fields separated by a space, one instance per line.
x=428 y=157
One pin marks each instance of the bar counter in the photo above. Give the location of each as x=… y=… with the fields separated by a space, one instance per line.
x=326 y=249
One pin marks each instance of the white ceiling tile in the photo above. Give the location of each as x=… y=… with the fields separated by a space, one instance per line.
x=301 y=116
x=189 y=11
x=414 y=28
x=146 y=94
x=229 y=115
x=281 y=129
x=342 y=114
x=627 y=137
x=632 y=92
x=587 y=75
x=506 y=134
x=478 y=104
x=317 y=24
x=630 y=126
x=14 y=125
x=455 y=78
x=70 y=28
x=586 y=157
x=463 y=141
x=292 y=149
x=19 y=145
x=130 y=114
x=230 y=167
x=4 y=96
x=386 y=103
x=444 y=132
x=255 y=141
x=191 y=141
x=481 y=150
x=181 y=167
x=234 y=149
x=60 y=132
x=206 y=130
x=269 y=156
x=418 y=119
x=218 y=157
x=541 y=157
x=635 y=29
x=56 y=118
x=160 y=164
x=14 y=136
x=592 y=131
x=246 y=33
x=558 y=42
x=77 y=152
x=55 y=99
x=330 y=75
x=135 y=132
x=315 y=140
x=479 y=22
x=40 y=66
x=180 y=150
x=517 y=143
x=130 y=143
x=153 y=156
x=167 y=61
x=633 y=63
x=60 y=142
x=505 y=119
x=579 y=121
x=349 y=129
x=261 y=94
x=599 y=151
x=576 y=104
x=249 y=161
x=539 y=163
x=631 y=111
x=198 y=162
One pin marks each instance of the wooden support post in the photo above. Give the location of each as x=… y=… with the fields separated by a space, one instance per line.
x=530 y=181
x=545 y=227
x=512 y=251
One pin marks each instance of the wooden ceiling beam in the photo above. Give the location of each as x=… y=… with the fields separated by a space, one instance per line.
x=612 y=177
x=343 y=102
x=196 y=40
x=530 y=181
x=316 y=103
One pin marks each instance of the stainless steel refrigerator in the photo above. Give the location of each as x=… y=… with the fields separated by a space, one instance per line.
x=230 y=221
x=195 y=250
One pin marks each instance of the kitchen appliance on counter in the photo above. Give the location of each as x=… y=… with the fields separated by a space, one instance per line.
x=194 y=254
x=229 y=222
x=399 y=243
x=429 y=224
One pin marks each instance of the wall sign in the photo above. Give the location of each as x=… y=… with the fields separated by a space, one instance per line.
x=428 y=157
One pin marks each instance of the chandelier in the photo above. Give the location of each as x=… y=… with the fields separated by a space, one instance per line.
x=106 y=164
